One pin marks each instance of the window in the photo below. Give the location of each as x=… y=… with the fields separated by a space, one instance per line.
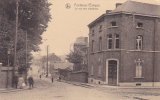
x=100 y=28
x=110 y=41
x=117 y=45
x=139 y=42
x=139 y=25
x=100 y=43
x=92 y=70
x=138 y=68
x=113 y=23
x=99 y=67
x=92 y=46
x=92 y=33
x=100 y=70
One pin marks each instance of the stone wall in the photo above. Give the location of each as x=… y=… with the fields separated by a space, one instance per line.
x=3 y=76
x=79 y=77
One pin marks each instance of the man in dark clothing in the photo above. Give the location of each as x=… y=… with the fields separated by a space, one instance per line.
x=31 y=82
x=52 y=79
x=15 y=81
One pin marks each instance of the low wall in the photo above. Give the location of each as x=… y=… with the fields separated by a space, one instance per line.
x=79 y=77
x=5 y=77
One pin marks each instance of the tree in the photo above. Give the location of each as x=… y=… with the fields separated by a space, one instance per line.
x=76 y=58
x=33 y=20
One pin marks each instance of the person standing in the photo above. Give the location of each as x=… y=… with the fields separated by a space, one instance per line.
x=52 y=79
x=31 y=82
x=30 y=78
x=15 y=81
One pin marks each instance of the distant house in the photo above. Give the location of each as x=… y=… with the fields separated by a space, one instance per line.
x=79 y=73
x=81 y=45
x=124 y=46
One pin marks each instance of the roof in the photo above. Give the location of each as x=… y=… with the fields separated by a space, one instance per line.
x=138 y=8
x=134 y=7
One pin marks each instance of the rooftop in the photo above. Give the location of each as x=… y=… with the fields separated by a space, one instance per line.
x=139 y=8
x=134 y=7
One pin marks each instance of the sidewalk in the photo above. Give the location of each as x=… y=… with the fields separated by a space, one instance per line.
x=87 y=85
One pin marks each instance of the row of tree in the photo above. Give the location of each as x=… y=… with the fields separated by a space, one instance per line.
x=33 y=20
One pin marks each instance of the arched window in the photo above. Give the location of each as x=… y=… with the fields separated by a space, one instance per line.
x=139 y=42
x=100 y=43
x=109 y=39
x=117 y=45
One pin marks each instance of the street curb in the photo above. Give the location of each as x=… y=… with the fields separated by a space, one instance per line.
x=106 y=86
x=79 y=84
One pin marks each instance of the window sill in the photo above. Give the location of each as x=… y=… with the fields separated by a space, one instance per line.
x=138 y=50
x=113 y=27
x=138 y=77
x=139 y=28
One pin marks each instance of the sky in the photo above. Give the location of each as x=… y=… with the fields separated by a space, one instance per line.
x=69 y=23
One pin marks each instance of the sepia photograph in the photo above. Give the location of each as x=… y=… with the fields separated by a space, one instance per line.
x=79 y=50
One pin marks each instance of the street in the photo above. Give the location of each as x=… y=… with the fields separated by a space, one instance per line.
x=45 y=90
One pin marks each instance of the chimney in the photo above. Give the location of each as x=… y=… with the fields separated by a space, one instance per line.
x=118 y=4
x=108 y=11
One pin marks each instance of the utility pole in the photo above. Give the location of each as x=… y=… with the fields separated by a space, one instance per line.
x=47 y=61
x=26 y=57
x=15 y=43
x=26 y=50
x=8 y=53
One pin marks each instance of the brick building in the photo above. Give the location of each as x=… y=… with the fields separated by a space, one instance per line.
x=124 y=46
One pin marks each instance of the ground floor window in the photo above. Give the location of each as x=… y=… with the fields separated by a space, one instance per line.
x=92 y=70
x=139 y=68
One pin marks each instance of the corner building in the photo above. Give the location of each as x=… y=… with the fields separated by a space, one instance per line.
x=124 y=46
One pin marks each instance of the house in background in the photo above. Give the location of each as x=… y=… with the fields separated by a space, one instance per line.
x=124 y=46
x=79 y=73
x=81 y=45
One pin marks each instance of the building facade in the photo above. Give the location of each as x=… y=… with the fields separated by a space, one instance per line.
x=124 y=46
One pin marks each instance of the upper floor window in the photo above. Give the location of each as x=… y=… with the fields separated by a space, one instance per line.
x=92 y=32
x=117 y=44
x=139 y=41
x=113 y=23
x=100 y=43
x=109 y=41
x=92 y=46
x=100 y=28
x=139 y=25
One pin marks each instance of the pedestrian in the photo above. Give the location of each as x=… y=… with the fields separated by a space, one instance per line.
x=52 y=79
x=59 y=78
x=40 y=76
x=31 y=82
x=15 y=81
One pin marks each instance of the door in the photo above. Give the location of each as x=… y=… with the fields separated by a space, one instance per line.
x=112 y=72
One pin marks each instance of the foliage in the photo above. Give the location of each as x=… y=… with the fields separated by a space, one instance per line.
x=75 y=57
x=33 y=20
x=51 y=58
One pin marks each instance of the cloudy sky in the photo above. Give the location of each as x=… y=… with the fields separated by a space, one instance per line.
x=69 y=23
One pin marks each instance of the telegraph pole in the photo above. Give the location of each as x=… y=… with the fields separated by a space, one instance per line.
x=26 y=50
x=47 y=61
x=15 y=41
